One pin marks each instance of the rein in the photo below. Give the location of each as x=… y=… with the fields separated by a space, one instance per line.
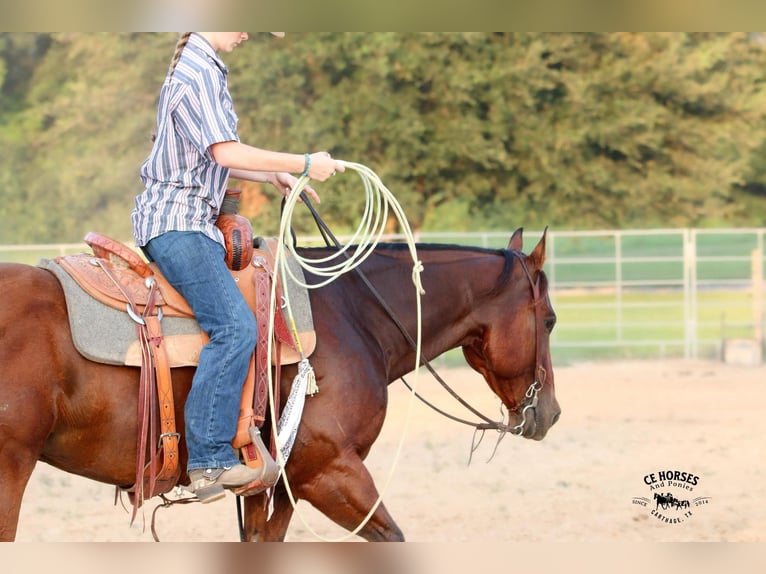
x=531 y=394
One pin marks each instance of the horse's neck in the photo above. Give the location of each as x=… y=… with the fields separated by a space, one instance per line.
x=460 y=285
x=456 y=283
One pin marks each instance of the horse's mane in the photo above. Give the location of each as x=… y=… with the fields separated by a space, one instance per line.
x=382 y=248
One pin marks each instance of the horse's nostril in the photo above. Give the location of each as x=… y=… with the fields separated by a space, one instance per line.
x=555 y=418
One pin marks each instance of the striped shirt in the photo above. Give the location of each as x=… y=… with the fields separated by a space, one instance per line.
x=184 y=186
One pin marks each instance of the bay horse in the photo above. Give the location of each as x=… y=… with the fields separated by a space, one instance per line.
x=80 y=416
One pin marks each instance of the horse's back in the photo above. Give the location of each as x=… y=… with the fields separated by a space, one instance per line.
x=32 y=307
x=26 y=288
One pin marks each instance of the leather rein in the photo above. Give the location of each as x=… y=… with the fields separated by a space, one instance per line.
x=532 y=392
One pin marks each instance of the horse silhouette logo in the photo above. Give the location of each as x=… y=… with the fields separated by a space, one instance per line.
x=667 y=501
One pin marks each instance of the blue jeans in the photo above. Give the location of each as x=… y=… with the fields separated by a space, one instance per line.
x=194 y=264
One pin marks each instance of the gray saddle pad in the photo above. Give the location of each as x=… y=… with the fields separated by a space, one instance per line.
x=103 y=334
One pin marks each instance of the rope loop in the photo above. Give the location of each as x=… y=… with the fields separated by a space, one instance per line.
x=378 y=202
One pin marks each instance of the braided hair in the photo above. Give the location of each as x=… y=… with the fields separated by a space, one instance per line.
x=180 y=45
x=182 y=41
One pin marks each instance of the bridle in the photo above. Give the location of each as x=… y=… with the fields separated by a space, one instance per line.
x=540 y=373
x=530 y=396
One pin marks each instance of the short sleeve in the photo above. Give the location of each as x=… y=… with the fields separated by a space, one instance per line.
x=205 y=114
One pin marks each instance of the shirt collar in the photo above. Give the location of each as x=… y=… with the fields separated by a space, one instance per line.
x=199 y=42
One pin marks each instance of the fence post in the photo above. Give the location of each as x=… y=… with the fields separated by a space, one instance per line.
x=757 y=275
x=618 y=282
x=690 y=294
x=550 y=258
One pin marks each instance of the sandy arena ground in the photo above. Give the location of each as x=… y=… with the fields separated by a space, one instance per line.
x=620 y=422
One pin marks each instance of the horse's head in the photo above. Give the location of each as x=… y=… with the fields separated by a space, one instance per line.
x=512 y=349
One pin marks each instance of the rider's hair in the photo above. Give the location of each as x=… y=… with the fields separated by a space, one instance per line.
x=180 y=45
x=183 y=39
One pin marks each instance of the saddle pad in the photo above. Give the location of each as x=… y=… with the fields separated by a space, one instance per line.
x=107 y=335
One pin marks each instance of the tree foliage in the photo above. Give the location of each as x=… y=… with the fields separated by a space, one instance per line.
x=471 y=131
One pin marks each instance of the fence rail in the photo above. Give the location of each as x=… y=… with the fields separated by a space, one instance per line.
x=621 y=293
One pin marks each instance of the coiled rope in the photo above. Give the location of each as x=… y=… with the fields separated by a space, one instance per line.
x=378 y=201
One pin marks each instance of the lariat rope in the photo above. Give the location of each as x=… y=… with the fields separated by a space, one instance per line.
x=371 y=227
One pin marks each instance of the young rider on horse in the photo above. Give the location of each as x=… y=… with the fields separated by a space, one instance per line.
x=195 y=151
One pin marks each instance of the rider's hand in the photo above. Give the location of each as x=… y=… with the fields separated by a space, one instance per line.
x=286 y=182
x=323 y=166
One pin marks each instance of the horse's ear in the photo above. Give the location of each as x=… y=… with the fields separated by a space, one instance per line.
x=516 y=242
x=537 y=257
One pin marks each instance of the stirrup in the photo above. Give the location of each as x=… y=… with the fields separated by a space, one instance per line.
x=256 y=455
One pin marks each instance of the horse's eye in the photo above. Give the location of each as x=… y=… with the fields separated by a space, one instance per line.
x=549 y=323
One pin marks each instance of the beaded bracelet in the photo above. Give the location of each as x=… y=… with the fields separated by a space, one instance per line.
x=308 y=165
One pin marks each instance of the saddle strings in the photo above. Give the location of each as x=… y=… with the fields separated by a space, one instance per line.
x=379 y=200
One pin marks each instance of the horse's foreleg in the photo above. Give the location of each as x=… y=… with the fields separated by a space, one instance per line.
x=345 y=493
x=260 y=528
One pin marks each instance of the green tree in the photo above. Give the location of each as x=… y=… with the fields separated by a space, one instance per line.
x=88 y=121
x=494 y=130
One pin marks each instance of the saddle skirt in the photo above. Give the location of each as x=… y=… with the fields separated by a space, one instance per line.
x=103 y=330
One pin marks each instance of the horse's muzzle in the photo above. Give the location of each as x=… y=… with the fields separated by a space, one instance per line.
x=538 y=425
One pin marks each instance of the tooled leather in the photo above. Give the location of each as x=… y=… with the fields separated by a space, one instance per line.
x=107 y=248
x=261 y=396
